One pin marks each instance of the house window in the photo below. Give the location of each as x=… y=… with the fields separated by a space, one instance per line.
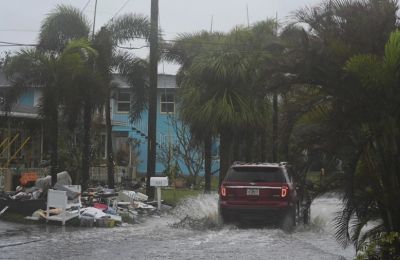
x=167 y=103
x=124 y=101
x=215 y=149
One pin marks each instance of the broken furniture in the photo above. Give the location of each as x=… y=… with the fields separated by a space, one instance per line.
x=23 y=206
x=58 y=199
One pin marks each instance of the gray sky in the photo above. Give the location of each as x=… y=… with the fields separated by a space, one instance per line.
x=20 y=19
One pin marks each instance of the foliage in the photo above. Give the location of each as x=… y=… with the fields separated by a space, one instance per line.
x=377 y=166
x=338 y=99
x=382 y=246
x=55 y=73
x=350 y=123
x=63 y=24
x=218 y=93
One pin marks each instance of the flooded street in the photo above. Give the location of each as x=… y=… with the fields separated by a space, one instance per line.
x=189 y=232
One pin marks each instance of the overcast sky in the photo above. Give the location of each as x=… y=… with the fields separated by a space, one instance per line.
x=20 y=19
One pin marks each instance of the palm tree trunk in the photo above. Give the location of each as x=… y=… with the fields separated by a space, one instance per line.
x=53 y=129
x=236 y=144
x=87 y=122
x=275 y=128
x=207 y=163
x=249 y=148
x=225 y=151
x=109 y=150
x=263 y=152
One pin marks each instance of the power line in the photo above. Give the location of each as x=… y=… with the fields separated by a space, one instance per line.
x=15 y=44
x=87 y=3
x=119 y=10
x=133 y=48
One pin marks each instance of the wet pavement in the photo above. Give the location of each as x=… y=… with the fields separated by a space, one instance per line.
x=168 y=237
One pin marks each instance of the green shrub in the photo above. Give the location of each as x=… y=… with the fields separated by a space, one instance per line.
x=384 y=246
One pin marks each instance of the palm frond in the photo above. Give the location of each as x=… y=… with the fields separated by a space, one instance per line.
x=366 y=67
x=128 y=27
x=62 y=25
x=135 y=72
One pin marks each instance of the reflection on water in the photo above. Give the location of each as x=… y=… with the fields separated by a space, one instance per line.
x=191 y=230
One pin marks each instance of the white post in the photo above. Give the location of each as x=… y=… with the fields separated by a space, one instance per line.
x=158 y=197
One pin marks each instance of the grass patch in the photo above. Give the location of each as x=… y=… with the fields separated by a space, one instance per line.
x=172 y=197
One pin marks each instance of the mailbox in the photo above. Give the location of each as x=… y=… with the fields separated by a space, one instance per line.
x=159 y=181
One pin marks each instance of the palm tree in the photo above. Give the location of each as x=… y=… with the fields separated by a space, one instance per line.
x=378 y=168
x=61 y=26
x=66 y=23
x=55 y=73
x=225 y=81
x=183 y=51
x=133 y=69
x=353 y=127
x=218 y=91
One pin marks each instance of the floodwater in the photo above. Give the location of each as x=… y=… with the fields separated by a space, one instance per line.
x=190 y=231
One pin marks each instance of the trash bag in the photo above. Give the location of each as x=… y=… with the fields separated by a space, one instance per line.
x=63 y=178
x=43 y=183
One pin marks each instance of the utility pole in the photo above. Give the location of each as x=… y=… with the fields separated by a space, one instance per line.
x=275 y=113
x=248 y=19
x=212 y=20
x=94 y=18
x=152 y=121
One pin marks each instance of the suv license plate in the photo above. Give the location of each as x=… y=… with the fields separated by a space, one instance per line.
x=253 y=192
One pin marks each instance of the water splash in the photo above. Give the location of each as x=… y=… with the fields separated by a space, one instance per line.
x=199 y=213
x=323 y=211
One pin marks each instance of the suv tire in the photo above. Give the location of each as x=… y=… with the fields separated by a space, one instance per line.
x=289 y=220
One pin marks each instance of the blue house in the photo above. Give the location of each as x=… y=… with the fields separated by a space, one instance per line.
x=129 y=138
x=21 y=132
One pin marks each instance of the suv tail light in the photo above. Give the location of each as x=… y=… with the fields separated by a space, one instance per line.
x=223 y=191
x=284 y=191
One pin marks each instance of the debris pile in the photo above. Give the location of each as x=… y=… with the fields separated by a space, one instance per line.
x=97 y=206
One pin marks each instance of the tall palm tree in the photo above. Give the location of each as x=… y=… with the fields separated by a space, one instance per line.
x=338 y=31
x=55 y=73
x=183 y=51
x=66 y=23
x=133 y=69
x=378 y=168
x=218 y=91
x=61 y=26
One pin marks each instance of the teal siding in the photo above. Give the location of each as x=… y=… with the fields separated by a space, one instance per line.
x=138 y=131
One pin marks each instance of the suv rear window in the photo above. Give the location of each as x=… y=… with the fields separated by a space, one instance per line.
x=255 y=174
